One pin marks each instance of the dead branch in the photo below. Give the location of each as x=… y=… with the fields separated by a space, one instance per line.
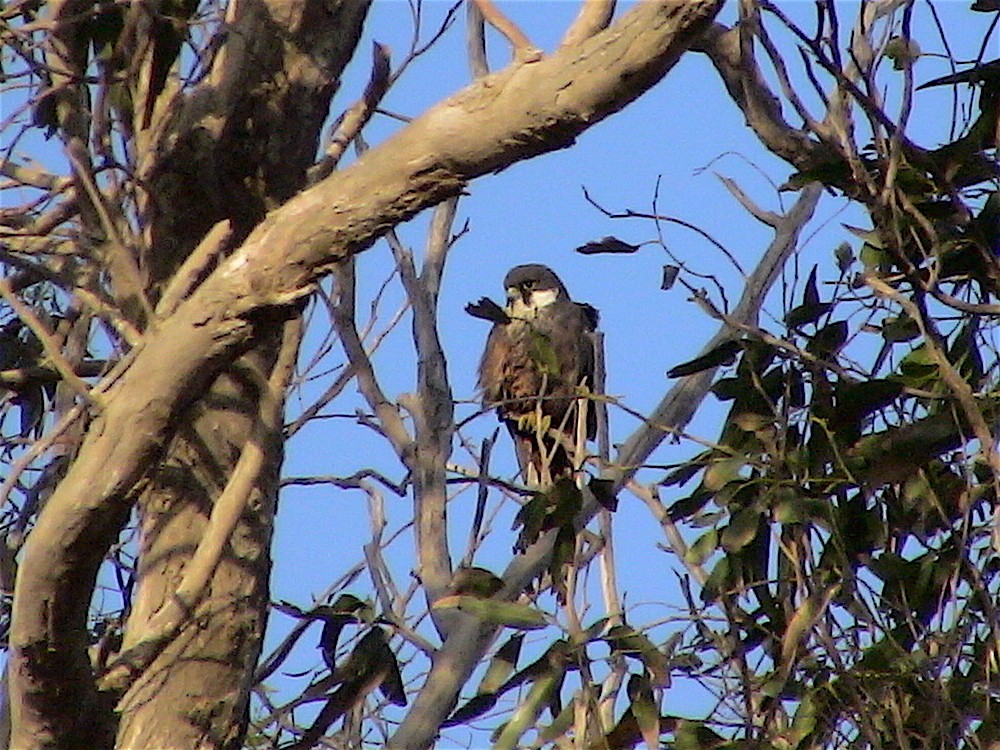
x=356 y=117
x=750 y=92
x=390 y=421
x=433 y=407
x=476 y=41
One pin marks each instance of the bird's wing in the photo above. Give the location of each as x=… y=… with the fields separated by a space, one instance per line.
x=493 y=364
x=566 y=325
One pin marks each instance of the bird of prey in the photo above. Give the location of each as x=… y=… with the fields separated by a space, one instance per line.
x=537 y=356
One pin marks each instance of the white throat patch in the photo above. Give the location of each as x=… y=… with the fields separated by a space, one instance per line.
x=539 y=299
x=543 y=298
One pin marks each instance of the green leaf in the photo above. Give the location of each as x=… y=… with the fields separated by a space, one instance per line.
x=560 y=725
x=563 y=552
x=726 y=389
x=645 y=710
x=547 y=676
x=723 y=354
x=828 y=340
x=788 y=506
x=868 y=236
x=509 y=614
x=392 y=686
x=750 y=422
x=855 y=402
x=805 y=314
x=875 y=258
x=694 y=735
x=964 y=353
x=548 y=670
x=501 y=665
x=603 y=491
x=473 y=581
x=688 y=506
x=723 y=471
x=683 y=473
x=703 y=547
x=473 y=709
x=629 y=642
x=902 y=51
x=810 y=295
x=901 y=328
x=918 y=368
x=831 y=173
x=742 y=529
x=718 y=581
x=531 y=518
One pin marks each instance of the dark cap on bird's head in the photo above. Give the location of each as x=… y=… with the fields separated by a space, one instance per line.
x=536 y=275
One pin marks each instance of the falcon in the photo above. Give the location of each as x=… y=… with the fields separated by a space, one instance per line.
x=537 y=356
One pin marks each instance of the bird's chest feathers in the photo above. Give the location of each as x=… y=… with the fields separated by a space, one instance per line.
x=533 y=351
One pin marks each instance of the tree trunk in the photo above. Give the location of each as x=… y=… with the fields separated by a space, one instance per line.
x=195 y=693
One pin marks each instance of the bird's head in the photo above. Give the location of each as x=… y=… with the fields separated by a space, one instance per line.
x=530 y=288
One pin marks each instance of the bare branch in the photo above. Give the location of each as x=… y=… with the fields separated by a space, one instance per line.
x=476 y=31
x=524 y=50
x=594 y=16
x=433 y=407
x=747 y=87
x=388 y=415
x=354 y=119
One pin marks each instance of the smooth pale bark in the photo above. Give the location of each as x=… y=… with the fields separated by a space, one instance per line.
x=524 y=111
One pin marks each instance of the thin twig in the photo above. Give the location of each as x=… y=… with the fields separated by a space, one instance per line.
x=524 y=50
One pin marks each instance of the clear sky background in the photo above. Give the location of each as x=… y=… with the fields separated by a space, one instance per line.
x=682 y=133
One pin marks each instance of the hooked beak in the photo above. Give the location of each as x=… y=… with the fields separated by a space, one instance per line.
x=515 y=293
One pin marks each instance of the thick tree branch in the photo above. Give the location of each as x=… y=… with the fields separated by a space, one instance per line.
x=544 y=105
x=749 y=90
x=524 y=50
